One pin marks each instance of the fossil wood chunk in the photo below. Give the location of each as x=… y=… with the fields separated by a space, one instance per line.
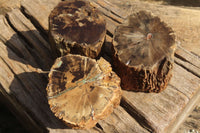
x=82 y=91
x=143 y=52
x=76 y=27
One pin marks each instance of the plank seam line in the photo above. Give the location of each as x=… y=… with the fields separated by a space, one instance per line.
x=36 y=120
x=109 y=34
x=112 y=18
x=187 y=69
x=15 y=75
x=29 y=45
x=109 y=10
x=17 y=32
x=185 y=60
x=10 y=100
x=12 y=49
x=99 y=128
x=138 y=116
x=179 y=91
x=188 y=52
x=195 y=54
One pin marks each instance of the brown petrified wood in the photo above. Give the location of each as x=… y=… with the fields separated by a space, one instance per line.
x=76 y=27
x=143 y=53
x=82 y=91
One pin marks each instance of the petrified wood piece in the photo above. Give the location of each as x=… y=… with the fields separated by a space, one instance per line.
x=76 y=27
x=82 y=90
x=143 y=53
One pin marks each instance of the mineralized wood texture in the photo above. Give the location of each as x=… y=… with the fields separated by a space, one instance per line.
x=23 y=83
x=76 y=27
x=82 y=91
x=143 y=53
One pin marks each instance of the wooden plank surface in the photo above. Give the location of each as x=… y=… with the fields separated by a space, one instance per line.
x=39 y=46
x=121 y=122
x=23 y=39
x=160 y=110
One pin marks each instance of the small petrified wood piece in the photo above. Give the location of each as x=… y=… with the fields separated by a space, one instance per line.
x=143 y=53
x=82 y=90
x=76 y=27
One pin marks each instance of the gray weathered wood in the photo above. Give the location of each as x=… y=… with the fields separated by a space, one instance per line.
x=39 y=10
x=20 y=79
x=9 y=37
x=37 y=43
x=160 y=110
x=121 y=122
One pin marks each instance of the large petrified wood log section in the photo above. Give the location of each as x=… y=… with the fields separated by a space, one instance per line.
x=143 y=53
x=82 y=90
x=76 y=27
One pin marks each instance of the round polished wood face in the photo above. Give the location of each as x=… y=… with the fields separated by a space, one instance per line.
x=82 y=90
x=143 y=40
x=77 y=21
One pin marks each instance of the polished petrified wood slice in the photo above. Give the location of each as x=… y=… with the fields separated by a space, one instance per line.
x=76 y=27
x=82 y=90
x=143 y=53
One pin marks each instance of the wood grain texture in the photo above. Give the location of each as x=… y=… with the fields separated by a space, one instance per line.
x=14 y=42
x=158 y=111
x=38 y=11
x=39 y=46
x=19 y=77
x=76 y=27
x=143 y=52
x=192 y=123
x=121 y=122
x=81 y=91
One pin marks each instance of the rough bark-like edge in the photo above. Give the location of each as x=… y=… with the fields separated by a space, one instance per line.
x=131 y=76
x=113 y=103
x=56 y=42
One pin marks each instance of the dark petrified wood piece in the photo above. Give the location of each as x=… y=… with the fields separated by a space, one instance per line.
x=76 y=27
x=143 y=53
x=82 y=90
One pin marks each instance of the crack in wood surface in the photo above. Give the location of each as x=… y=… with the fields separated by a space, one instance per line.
x=40 y=26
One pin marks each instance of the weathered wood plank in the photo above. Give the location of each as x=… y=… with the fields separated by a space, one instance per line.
x=38 y=45
x=9 y=37
x=121 y=122
x=107 y=12
x=39 y=16
x=185 y=82
x=38 y=11
x=184 y=113
x=160 y=110
x=112 y=8
x=188 y=60
x=192 y=123
x=188 y=66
